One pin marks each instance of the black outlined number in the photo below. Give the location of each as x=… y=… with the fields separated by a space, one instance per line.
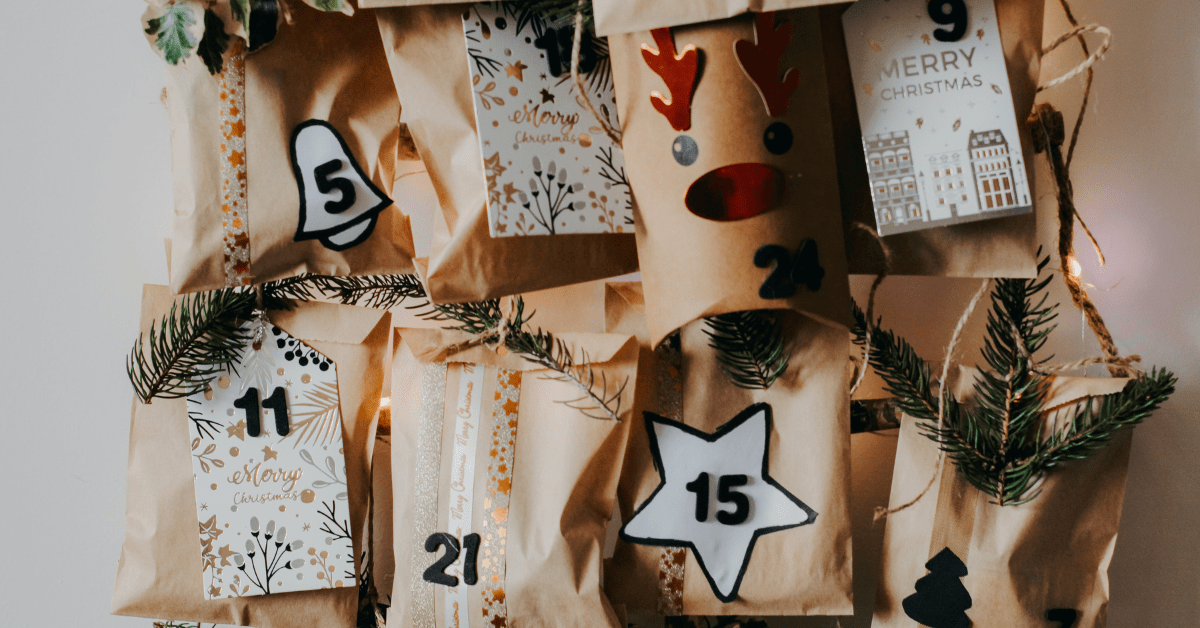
x=277 y=403
x=436 y=573
x=557 y=42
x=725 y=494
x=325 y=185
x=1066 y=617
x=802 y=269
x=951 y=13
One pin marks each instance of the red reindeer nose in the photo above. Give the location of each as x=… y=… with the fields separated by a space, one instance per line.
x=735 y=192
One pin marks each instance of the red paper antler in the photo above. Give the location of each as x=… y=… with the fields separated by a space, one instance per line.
x=679 y=72
x=760 y=61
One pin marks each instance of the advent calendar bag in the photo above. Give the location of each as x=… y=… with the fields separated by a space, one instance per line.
x=730 y=155
x=996 y=247
x=283 y=162
x=504 y=482
x=734 y=501
x=956 y=558
x=427 y=49
x=187 y=555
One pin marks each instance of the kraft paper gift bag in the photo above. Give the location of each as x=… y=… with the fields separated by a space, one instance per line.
x=792 y=554
x=284 y=161
x=957 y=555
x=623 y=16
x=999 y=247
x=504 y=482
x=427 y=49
x=730 y=156
x=160 y=569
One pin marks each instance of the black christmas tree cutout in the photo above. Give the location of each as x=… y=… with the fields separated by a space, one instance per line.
x=941 y=599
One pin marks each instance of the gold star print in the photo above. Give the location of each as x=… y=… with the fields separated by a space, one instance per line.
x=516 y=70
x=287 y=382
x=509 y=191
x=868 y=88
x=547 y=96
x=269 y=454
x=225 y=554
x=237 y=429
x=307 y=526
x=203 y=507
x=925 y=38
x=979 y=33
x=542 y=76
x=510 y=407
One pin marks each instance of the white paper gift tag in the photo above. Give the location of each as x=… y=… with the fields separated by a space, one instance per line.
x=548 y=165
x=938 y=123
x=271 y=493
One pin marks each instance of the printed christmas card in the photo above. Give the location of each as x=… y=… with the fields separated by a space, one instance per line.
x=271 y=494
x=938 y=123
x=549 y=166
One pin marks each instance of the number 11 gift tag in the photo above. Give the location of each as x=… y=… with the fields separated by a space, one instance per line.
x=938 y=123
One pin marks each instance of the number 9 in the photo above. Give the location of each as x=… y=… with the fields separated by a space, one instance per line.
x=949 y=12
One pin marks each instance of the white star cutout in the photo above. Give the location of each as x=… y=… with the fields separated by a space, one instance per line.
x=732 y=463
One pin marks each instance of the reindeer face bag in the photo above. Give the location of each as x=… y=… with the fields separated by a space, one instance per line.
x=283 y=160
x=730 y=155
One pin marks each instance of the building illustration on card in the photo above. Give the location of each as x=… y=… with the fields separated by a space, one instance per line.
x=939 y=128
x=548 y=166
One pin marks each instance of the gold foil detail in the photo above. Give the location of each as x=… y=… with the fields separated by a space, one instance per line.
x=671 y=560
x=501 y=456
x=233 y=168
x=428 y=468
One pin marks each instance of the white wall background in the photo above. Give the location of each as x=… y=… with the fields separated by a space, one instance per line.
x=86 y=196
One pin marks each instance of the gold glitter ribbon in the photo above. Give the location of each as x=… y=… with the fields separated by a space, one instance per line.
x=233 y=168
x=501 y=458
x=428 y=468
x=671 y=560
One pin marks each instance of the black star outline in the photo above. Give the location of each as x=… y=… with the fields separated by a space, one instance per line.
x=743 y=416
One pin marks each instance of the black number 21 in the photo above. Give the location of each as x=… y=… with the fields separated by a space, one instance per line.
x=436 y=573
x=951 y=13
x=725 y=494
x=276 y=403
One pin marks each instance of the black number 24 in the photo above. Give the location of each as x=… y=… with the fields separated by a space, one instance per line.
x=725 y=494
x=802 y=269
x=952 y=13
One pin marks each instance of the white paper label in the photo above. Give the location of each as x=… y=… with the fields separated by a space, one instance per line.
x=462 y=483
x=548 y=165
x=272 y=508
x=938 y=123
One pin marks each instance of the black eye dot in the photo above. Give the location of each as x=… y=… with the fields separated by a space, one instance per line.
x=685 y=150
x=778 y=138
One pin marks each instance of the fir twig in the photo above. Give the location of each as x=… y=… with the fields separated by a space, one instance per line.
x=1000 y=444
x=377 y=291
x=559 y=11
x=750 y=347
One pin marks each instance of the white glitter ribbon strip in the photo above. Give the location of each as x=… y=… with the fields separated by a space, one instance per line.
x=462 y=483
x=428 y=467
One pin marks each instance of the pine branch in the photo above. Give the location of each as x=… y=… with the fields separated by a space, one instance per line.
x=483 y=319
x=559 y=11
x=750 y=347
x=377 y=291
x=999 y=444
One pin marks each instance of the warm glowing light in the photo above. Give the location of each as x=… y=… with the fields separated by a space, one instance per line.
x=385 y=402
x=1074 y=268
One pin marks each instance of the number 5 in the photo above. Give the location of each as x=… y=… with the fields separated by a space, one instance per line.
x=325 y=185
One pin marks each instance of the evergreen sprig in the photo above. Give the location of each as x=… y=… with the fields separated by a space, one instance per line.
x=750 y=347
x=202 y=336
x=483 y=318
x=378 y=291
x=558 y=11
x=1000 y=444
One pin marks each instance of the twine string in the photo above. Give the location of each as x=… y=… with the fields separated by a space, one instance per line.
x=887 y=263
x=582 y=96
x=881 y=512
x=494 y=337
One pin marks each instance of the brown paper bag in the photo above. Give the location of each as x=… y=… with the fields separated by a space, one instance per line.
x=1001 y=247
x=1025 y=566
x=805 y=570
x=737 y=207
x=488 y=445
x=427 y=52
x=624 y=16
x=240 y=215
x=157 y=575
